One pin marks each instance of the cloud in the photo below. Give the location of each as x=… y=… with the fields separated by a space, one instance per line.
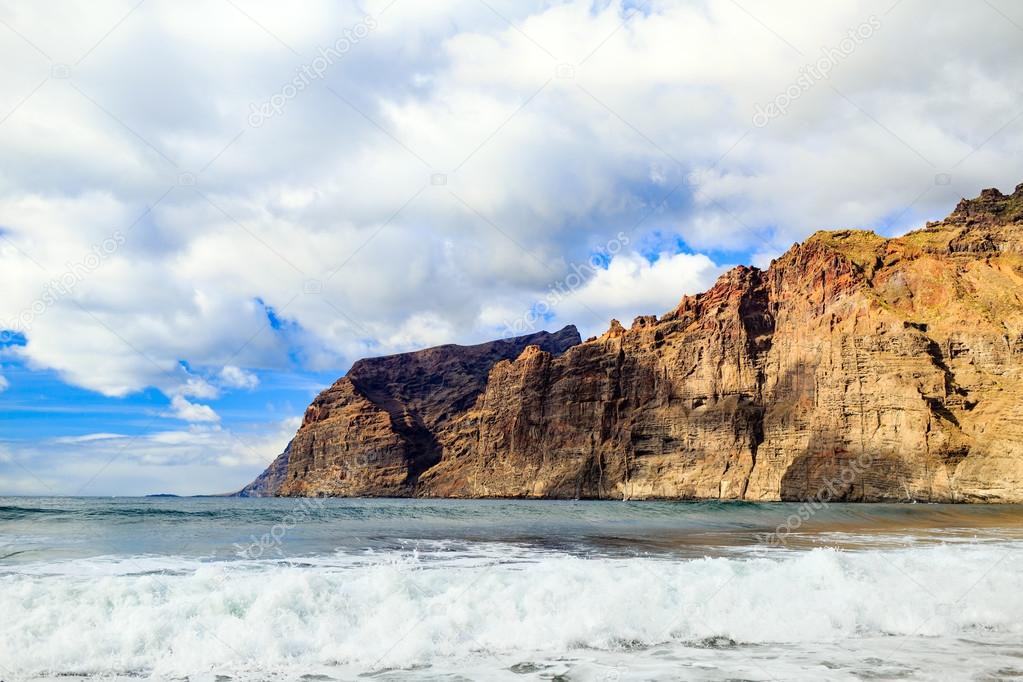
x=450 y=169
x=4 y=384
x=197 y=387
x=88 y=438
x=202 y=459
x=192 y=412
x=633 y=285
x=234 y=377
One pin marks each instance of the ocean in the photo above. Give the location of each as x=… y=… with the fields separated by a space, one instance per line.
x=224 y=589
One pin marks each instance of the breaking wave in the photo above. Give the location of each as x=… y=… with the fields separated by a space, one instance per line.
x=359 y=612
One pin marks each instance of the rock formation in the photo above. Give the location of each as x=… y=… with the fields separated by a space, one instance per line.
x=374 y=432
x=269 y=482
x=855 y=368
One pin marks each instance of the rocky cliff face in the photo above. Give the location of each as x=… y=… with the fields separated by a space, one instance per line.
x=855 y=367
x=374 y=432
x=268 y=483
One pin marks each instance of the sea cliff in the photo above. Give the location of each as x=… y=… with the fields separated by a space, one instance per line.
x=856 y=367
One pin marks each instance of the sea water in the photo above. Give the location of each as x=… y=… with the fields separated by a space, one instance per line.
x=227 y=589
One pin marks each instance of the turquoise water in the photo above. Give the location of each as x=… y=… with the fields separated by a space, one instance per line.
x=201 y=588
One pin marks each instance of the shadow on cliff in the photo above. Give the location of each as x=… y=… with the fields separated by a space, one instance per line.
x=833 y=469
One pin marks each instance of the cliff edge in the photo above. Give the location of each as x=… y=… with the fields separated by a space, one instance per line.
x=873 y=368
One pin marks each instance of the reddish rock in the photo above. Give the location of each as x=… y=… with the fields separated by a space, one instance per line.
x=855 y=367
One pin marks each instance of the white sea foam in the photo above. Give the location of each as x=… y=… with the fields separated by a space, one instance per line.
x=497 y=607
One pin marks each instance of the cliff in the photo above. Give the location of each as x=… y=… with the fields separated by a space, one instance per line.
x=269 y=482
x=374 y=432
x=870 y=368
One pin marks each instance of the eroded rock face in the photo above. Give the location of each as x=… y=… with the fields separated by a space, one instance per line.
x=374 y=432
x=268 y=483
x=855 y=367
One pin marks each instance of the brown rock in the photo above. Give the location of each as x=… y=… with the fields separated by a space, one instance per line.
x=374 y=432
x=268 y=483
x=855 y=367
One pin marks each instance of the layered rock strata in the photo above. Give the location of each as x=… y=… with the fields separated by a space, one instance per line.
x=870 y=368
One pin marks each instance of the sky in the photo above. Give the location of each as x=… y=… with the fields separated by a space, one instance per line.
x=209 y=210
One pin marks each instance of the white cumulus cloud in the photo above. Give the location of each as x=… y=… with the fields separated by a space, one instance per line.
x=633 y=285
x=192 y=412
x=235 y=377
